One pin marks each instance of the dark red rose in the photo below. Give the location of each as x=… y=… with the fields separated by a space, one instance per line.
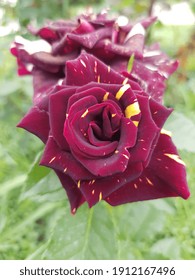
x=113 y=41
x=104 y=139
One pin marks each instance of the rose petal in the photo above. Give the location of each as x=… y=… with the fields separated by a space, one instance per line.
x=75 y=196
x=90 y=39
x=63 y=161
x=147 y=132
x=95 y=190
x=164 y=177
x=57 y=109
x=42 y=84
x=36 y=121
x=169 y=167
x=87 y=69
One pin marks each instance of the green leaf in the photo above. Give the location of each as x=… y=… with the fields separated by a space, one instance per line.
x=36 y=172
x=87 y=235
x=40 y=212
x=105 y=232
x=12 y=184
x=130 y=63
x=168 y=248
x=183 y=130
x=42 y=185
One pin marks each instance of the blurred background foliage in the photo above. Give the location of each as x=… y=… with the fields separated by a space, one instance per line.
x=35 y=222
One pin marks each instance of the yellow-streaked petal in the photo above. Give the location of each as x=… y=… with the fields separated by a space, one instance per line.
x=122 y=90
x=132 y=110
x=166 y=132
x=175 y=158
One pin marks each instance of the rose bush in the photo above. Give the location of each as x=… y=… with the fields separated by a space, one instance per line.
x=113 y=41
x=104 y=137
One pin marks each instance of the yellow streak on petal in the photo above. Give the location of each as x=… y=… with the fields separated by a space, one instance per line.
x=136 y=123
x=175 y=158
x=132 y=110
x=125 y=81
x=108 y=69
x=149 y=182
x=93 y=191
x=121 y=91
x=100 y=196
x=113 y=115
x=98 y=80
x=79 y=184
x=93 y=181
x=52 y=159
x=106 y=96
x=116 y=152
x=85 y=113
x=166 y=132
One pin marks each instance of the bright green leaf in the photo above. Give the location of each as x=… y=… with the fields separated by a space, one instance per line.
x=130 y=63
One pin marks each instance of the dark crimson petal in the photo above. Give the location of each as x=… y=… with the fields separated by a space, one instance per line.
x=63 y=161
x=22 y=68
x=83 y=27
x=116 y=162
x=122 y=50
x=23 y=59
x=77 y=140
x=42 y=83
x=147 y=186
x=92 y=89
x=112 y=88
x=49 y=62
x=45 y=33
x=36 y=121
x=87 y=68
x=136 y=45
x=146 y=22
x=150 y=79
x=75 y=196
x=147 y=132
x=154 y=56
x=58 y=26
x=57 y=109
x=102 y=50
x=90 y=39
x=164 y=177
x=133 y=44
x=168 y=166
x=159 y=112
x=65 y=46
x=95 y=190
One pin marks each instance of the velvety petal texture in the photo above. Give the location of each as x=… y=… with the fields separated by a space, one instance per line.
x=111 y=40
x=103 y=132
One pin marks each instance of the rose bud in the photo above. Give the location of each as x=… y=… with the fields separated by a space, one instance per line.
x=114 y=41
x=104 y=137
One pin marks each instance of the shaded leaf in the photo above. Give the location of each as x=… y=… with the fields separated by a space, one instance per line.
x=167 y=247
x=183 y=130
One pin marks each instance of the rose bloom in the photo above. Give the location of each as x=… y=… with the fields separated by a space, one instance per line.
x=104 y=137
x=114 y=41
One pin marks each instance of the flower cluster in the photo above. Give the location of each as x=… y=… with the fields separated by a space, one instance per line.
x=102 y=125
